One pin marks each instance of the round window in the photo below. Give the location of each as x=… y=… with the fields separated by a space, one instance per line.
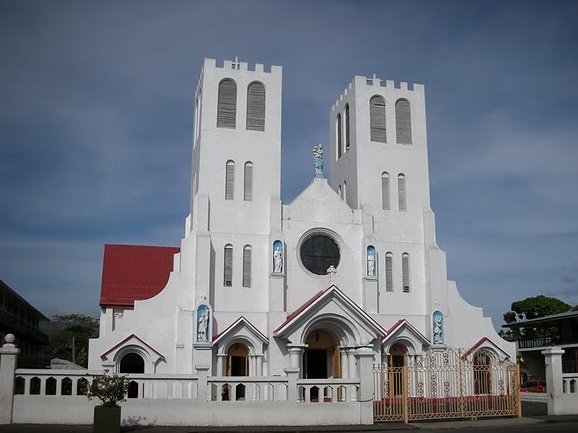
x=318 y=253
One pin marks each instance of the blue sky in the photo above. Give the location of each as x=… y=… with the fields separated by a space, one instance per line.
x=96 y=123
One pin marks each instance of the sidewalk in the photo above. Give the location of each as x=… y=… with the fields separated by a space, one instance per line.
x=375 y=428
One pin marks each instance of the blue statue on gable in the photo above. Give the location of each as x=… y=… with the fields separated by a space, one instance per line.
x=438 y=327
x=318 y=161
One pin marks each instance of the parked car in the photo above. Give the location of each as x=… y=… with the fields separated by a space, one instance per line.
x=533 y=385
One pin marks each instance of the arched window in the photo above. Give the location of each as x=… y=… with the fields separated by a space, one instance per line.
x=389 y=272
x=338 y=127
x=132 y=363
x=228 y=266
x=339 y=191
x=230 y=180
x=256 y=106
x=247 y=266
x=377 y=118
x=405 y=272
x=345 y=191
x=248 y=182
x=227 y=104
x=347 y=142
x=385 y=191
x=401 y=192
x=403 y=121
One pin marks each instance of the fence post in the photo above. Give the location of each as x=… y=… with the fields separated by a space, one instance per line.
x=292 y=375
x=553 y=363
x=202 y=375
x=405 y=393
x=8 y=355
x=364 y=357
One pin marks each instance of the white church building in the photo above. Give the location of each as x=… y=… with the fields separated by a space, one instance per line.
x=257 y=286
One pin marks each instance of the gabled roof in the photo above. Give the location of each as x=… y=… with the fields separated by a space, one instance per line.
x=241 y=322
x=131 y=339
x=323 y=297
x=485 y=342
x=134 y=272
x=401 y=325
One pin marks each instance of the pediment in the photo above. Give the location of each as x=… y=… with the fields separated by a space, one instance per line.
x=244 y=331
x=335 y=311
x=132 y=343
x=318 y=202
x=486 y=344
x=405 y=333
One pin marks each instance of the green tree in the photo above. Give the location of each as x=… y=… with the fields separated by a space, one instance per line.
x=69 y=335
x=534 y=307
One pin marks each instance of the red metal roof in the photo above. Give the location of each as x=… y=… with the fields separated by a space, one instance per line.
x=134 y=272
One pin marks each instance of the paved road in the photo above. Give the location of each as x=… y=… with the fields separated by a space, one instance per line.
x=544 y=424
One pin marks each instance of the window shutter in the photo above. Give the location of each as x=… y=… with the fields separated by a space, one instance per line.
x=405 y=271
x=338 y=135
x=228 y=266
x=401 y=192
x=256 y=107
x=385 y=191
x=230 y=181
x=247 y=266
x=377 y=118
x=248 y=186
x=227 y=104
x=389 y=272
x=403 y=121
x=346 y=126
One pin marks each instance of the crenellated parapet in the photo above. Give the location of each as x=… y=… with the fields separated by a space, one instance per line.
x=237 y=65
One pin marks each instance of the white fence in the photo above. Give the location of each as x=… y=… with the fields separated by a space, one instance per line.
x=59 y=397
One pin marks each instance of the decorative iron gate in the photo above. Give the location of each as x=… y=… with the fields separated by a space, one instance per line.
x=445 y=384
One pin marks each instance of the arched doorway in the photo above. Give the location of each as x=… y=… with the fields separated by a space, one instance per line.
x=396 y=360
x=321 y=359
x=132 y=363
x=237 y=365
x=482 y=373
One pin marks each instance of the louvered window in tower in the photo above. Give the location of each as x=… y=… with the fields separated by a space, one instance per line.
x=347 y=143
x=403 y=121
x=227 y=104
x=248 y=184
x=377 y=118
x=385 y=191
x=247 y=266
x=405 y=272
x=338 y=127
x=389 y=272
x=256 y=107
x=401 y=192
x=230 y=180
x=228 y=266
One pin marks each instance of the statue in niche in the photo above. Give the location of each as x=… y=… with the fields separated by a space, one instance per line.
x=438 y=327
x=318 y=161
x=370 y=262
x=277 y=260
x=203 y=318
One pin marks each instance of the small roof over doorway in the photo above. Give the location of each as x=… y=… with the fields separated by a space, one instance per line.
x=333 y=310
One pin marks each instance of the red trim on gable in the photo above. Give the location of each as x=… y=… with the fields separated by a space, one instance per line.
x=479 y=343
x=235 y=323
x=134 y=272
x=301 y=308
x=116 y=346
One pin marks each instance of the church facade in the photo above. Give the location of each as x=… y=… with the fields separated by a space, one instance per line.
x=257 y=286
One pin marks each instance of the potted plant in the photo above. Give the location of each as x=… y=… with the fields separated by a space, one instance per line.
x=110 y=390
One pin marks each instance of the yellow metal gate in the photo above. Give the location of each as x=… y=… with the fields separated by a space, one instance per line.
x=446 y=384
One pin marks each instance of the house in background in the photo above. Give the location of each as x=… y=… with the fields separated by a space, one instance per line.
x=535 y=335
x=20 y=318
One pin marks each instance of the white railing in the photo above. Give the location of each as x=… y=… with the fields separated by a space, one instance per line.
x=75 y=383
x=570 y=383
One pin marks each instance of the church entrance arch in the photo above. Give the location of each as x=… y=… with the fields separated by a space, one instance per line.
x=321 y=359
x=237 y=366
x=397 y=358
x=482 y=372
x=132 y=363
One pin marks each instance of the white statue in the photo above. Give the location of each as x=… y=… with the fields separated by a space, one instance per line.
x=277 y=260
x=438 y=329
x=318 y=160
x=370 y=265
x=203 y=326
